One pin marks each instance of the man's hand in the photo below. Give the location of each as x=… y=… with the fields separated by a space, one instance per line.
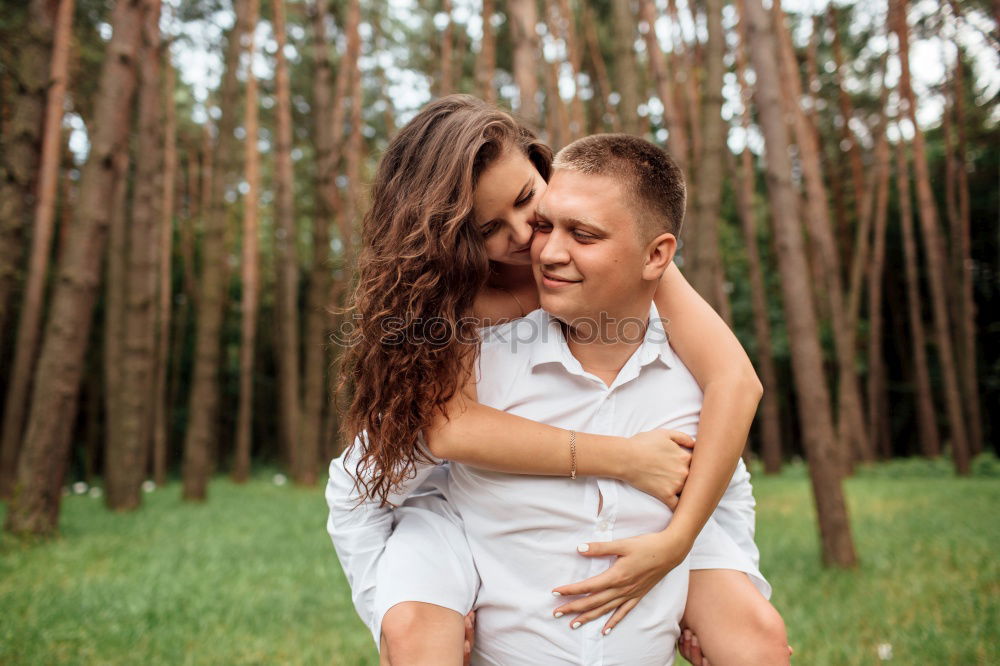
x=642 y=562
x=658 y=463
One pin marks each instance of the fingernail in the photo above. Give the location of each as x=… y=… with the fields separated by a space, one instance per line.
x=687 y=634
x=583 y=548
x=607 y=631
x=694 y=641
x=576 y=625
x=556 y=594
x=558 y=613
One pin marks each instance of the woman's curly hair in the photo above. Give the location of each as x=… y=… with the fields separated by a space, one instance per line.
x=421 y=265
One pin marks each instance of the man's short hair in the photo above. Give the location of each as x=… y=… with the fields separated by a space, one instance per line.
x=651 y=181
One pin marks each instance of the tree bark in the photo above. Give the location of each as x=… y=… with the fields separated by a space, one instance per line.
x=200 y=437
x=677 y=142
x=965 y=265
x=927 y=429
x=626 y=69
x=878 y=404
x=770 y=414
x=249 y=265
x=523 y=19
x=706 y=267
x=287 y=257
x=486 y=62
x=935 y=261
x=578 y=120
x=34 y=507
x=446 y=83
x=807 y=360
x=164 y=285
x=610 y=115
x=41 y=248
x=127 y=450
x=850 y=421
x=21 y=140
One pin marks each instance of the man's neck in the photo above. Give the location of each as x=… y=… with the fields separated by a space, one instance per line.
x=603 y=345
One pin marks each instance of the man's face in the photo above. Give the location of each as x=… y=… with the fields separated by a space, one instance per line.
x=586 y=252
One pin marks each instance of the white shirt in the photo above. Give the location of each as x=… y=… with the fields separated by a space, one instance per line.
x=524 y=530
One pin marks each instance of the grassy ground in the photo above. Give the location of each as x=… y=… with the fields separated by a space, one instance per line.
x=250 y=577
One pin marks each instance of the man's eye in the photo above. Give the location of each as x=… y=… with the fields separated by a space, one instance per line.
x=543 y=227
x=579 y=235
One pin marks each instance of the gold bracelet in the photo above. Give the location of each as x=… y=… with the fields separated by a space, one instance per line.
x=572 y=454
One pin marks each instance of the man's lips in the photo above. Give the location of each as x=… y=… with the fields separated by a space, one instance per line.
x=555 y=281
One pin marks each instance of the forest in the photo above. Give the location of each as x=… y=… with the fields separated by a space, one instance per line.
x=182 y=184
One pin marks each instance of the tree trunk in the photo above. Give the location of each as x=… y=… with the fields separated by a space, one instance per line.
x=486 y=62
x=927 y=428
x=45 y=453
x=22 y=134
x=287 y=256
x=127 y=450
x=249 y=265
x=41 y=248
x=770 y=414
x=446 y=83
x=201 y=434
x=803 y=334
x=878 y=405
x=677 y=143
x=610 y=115
x=935 y=261
x=164 y=285
x=523 y=16
x=578 y=120
x=626 y=69
x=965 y=265
x=706 y=267
x=850 y=421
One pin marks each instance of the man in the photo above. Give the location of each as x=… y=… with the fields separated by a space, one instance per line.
x=594 y=359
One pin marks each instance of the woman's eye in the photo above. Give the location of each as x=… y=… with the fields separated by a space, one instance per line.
x=488 y=229
x=525 y=199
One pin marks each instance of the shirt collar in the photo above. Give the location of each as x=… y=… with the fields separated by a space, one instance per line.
x=549 y=345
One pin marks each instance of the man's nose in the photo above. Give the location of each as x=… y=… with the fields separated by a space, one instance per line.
x=553 y=249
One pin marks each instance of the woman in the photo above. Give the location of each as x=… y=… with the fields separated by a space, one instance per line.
x=445 y=252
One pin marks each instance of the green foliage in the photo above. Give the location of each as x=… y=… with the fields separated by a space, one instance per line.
x=251 y=577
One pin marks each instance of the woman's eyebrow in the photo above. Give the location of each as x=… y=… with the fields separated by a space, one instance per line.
x=524 y=189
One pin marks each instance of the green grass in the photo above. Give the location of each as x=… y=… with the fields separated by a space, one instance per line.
x=250 y=577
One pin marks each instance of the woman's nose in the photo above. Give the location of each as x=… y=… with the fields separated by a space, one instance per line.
x=521 y=231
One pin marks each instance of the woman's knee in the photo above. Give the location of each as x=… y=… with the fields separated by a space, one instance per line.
x=767 y=636
x=416 y=630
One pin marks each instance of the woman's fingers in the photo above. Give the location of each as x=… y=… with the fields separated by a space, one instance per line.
x=617 y=616
x=603 y=609
x=589 y=602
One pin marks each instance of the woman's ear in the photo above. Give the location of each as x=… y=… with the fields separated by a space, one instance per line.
x=659 y=253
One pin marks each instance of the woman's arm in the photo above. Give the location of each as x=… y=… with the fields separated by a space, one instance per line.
x=654 y=461
x=731 y=394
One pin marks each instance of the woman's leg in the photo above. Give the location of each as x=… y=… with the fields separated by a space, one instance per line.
x=732 y=622
x=415 y=633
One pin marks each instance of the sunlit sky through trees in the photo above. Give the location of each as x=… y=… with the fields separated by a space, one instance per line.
x=198 y=45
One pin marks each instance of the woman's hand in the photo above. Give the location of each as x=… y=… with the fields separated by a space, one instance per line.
x=642 y=562
x=658 y=463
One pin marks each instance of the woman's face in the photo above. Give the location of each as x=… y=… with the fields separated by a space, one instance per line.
x=503 y=207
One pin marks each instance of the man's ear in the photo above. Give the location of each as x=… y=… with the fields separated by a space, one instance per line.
x=659 y=253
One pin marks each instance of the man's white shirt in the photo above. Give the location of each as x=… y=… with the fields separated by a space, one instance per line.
x=524 y=530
